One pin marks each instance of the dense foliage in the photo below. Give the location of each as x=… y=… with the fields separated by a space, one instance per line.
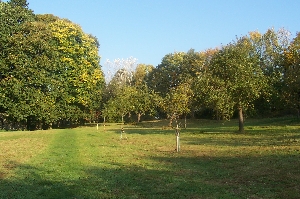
x=254 y=75
x=49 y=70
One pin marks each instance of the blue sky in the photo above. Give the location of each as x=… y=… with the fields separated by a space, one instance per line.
x=150 y=29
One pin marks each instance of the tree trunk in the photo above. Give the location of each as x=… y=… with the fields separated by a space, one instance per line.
x=170 y=122
x=2 y=123
x=174 y=116
x=139 y=117
x=241 y=120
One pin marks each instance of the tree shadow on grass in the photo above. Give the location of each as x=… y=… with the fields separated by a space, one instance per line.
x=32 y=185
x=170 y=177
x=262 y=137
x=270 y=176
x=215 y=126
x=121 y=182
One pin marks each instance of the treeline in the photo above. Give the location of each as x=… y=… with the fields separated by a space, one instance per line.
x=255 y=75
x=49 y=70
x=50 y=76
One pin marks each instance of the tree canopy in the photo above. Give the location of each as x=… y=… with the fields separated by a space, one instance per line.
x=50 y=70
x=50 y=76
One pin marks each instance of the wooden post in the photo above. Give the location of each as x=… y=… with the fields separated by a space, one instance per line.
x=177 y=139
x=122 y=130
x=104 y=124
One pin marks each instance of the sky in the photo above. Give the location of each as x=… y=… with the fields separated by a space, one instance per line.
x=150 y=29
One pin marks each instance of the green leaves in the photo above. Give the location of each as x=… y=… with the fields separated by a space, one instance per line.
x=50 y=69
x=291 y=77
x=233 y=79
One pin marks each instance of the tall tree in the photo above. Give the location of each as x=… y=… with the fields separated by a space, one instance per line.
x=175 y=70
x=237 y=77
x=291 y=82
x=167 y=74
x=270 y=48
x=144 y=100
x=14 y=23
x=51 y=67
x=199 y=81
x=78 y=71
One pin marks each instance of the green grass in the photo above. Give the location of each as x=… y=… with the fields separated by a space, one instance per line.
x=214 y=161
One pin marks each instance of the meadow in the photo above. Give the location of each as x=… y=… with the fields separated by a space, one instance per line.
x=214 y=161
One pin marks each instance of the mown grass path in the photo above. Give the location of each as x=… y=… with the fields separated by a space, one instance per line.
x=51 y=173
x=214 y=162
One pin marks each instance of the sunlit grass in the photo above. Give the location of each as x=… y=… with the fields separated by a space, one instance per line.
x=214 y=161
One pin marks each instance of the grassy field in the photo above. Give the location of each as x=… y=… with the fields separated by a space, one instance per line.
x=214 y=161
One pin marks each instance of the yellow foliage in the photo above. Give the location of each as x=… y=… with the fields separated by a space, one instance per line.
x=255 y=35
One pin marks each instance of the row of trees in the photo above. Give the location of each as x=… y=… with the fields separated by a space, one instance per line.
x=257 y=74
x=49 y=70
x=50 y=75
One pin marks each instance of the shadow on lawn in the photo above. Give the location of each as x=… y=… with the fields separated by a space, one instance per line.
x=123 y=182
x=143 y=131
x=171 y=177
x=215 y=127
x=267 y=136
x=204 y=125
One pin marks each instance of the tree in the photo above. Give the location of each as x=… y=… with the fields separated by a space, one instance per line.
x=141 y=74
x=119 y=90
x=176 y=102
x=237 y=78
x=120 y=105
x=291 y=81
x=202 y=85
x=270 y=48
x=212 y=93
x=144 y=100
x=175 y=70
x=121 y=79
x=167 y=74
x=78 y=74
x=14 y=23
x=51 y=67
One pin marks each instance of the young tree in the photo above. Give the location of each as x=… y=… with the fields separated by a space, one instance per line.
x=120 y=105
x=119 y=89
